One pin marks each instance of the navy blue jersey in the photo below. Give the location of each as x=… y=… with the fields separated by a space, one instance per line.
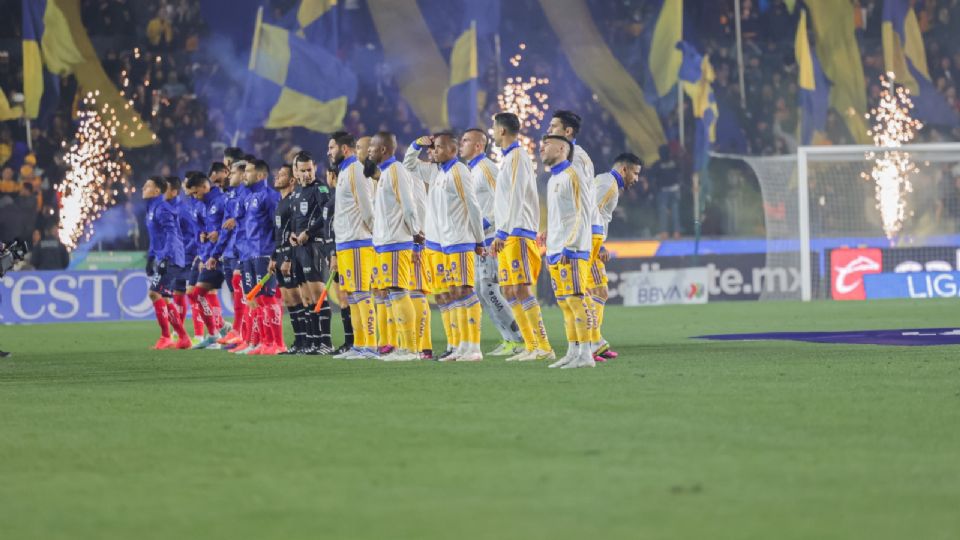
x=211 y=219
x=227 y=242
x=163 y=227
x=188 y=210
x=260 y=206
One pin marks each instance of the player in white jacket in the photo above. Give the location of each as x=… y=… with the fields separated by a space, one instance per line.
x=569 y=207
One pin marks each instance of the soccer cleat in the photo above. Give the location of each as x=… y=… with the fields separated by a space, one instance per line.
x=505 y=348
x=164 y=343
x=520 y=355
x=579 y=361
x=610 y=354
x=599 y=359
x=342 y=349
x=473 y=356
x=325 y=350
x=4 y=354
x=352 y=353
x=183 y=343
x=426 y=354
x=545 y=355
x=226 y=330
x=231 y=337
x=572 y=352
x=244 y=348
x=385 y=350
x=447 y=353
x=206 y=342
x=195 y=340
x=401 y=355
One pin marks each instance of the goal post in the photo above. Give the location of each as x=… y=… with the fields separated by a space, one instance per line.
x=825 y=197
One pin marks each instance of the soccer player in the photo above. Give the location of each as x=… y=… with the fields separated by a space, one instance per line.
x=566 y=124
x=260 y=207
x=187 y=216
x=460 y=225
x=569 y=206
x=307 y=237
x=386 y=327
x=226 y=251
x=211 y=277
x=166 y=250
x=517 y=219
x=396 y=228
x=473 y=146
x=353 y=231
x=430 y=270
x=281 y=260
x=607 y=188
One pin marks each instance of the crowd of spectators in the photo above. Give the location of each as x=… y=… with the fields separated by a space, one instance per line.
x=162 y=56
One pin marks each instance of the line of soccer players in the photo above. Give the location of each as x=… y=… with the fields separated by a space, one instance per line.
x=457 y=226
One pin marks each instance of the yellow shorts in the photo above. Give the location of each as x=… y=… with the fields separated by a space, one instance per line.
x=597 y=277
x=519 y=262
x=394 y=269
x=435 y=270
x=568 y=279
x=461 y=269
x=420 y=277
x=355 y=266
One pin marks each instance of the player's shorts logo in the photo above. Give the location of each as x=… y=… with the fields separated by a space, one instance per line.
x=563 y=273
x=453 y=266
x=384 y=268
x=348 y=274
x=374 y=270
x=515 y=264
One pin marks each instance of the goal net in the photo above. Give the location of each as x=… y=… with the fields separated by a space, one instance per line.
x=826 y=198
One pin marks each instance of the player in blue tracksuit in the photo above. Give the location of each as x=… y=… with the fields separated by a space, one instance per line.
x=212 y=203
x=187 y=218
x=259 y=207
x=225 y=249
x=166 y=248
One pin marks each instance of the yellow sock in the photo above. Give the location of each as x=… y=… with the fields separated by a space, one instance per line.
x=535 y=317
x=447 y=330
x=391 y=324
x=383 y=315
x=568 y=323
x=405 y=316
x=359 y=337
x=600 y=306
x=579 y=310
x=462 y=321
x=424 y=335
x=529 y=338
x=368 y=319
x=474 y=314
x=592 y=327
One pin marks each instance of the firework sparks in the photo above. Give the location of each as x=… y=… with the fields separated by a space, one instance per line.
x=527 y=99
x=94 y=176
x=892 y=127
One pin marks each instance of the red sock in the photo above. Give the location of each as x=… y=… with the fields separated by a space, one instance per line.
x=272 y=318
x=160 y=310
x=213 y=299
x=256 y=325
x=205 y=312
x=238 y=303
x=180 y=300
x=246 y=325
x=175 y=320
x=197 y=318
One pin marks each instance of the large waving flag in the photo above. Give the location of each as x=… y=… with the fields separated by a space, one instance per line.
x=697 y=75
x=461 y=99
x=814 y=88
x=295 y=83
x=662 y=57
x=595 y=64
x=839 y=54
x=53 y=33
x=904 y=56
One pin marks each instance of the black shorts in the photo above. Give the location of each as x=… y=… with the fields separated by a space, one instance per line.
x=287 y=282
x=253 y=271
x=214 y=277
x=165 y=282
x=312 y=262
x=229 y=265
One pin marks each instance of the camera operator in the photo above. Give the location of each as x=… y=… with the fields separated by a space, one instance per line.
x=10 y=255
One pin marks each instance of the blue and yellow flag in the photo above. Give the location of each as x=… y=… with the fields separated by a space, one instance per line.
x=904 y=56
x=56 y=43
x=662 y=59
x=461 y=99
x=616 y=90
x=295 y=83
x=839 y=54
x=315 y=21
x=814 y=88
x=697 y=75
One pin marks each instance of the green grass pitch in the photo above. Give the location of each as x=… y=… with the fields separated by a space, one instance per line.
x=678 y=438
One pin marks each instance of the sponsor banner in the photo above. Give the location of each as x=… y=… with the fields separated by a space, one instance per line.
x=847 y=269
x=912 y=285
x=906 y=337
x=852 y=269
x=684 y=286
x=77 y=296
x=729 y=277
x=109 y=260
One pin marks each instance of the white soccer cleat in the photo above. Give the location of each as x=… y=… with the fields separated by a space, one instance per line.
x=545 y=355
x=530 y=356
x=471 y=357
x=572 y=352
x=520 y=355
x=401 y=355
x=583 y=359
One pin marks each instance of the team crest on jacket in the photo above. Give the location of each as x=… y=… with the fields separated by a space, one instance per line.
x=303 y=207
